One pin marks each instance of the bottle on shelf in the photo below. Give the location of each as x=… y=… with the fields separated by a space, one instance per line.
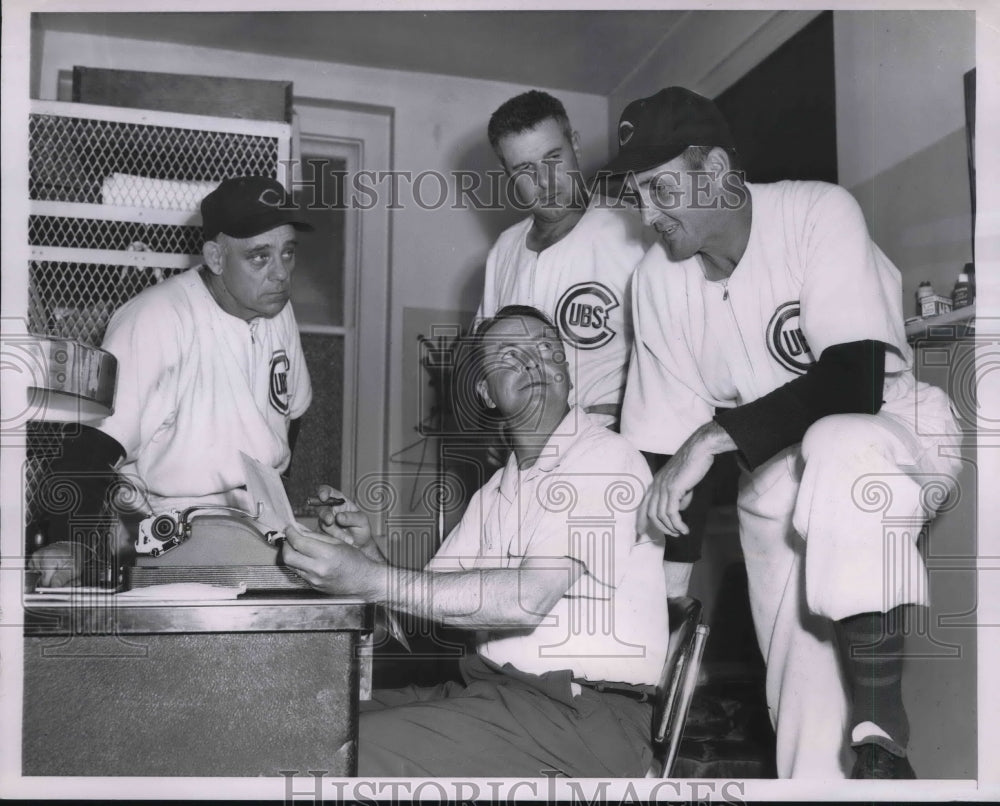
x=924 y=290
x=965 y=290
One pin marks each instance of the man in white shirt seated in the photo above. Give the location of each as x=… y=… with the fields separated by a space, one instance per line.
x=565 y=602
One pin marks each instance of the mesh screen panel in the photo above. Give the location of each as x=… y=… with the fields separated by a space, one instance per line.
x=71 y=159
x=76 y=300
x=98 y=233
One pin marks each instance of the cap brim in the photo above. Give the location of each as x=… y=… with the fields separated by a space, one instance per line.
x=275 y=218
x=638 y=160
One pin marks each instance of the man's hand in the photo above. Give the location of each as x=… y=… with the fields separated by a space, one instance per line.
x=671 y=488
x=331 y=565
x=60 y=564
x=345 y=521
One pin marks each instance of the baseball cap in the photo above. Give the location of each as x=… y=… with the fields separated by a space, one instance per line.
x=656 y=129
x=248 y=205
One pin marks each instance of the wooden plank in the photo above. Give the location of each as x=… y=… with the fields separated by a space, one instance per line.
x=201 y=95
x=956 y=324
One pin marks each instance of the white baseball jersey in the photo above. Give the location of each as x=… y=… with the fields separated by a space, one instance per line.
x=813 y=522
x=196 y=386
x=582 y=283
x=810 y=277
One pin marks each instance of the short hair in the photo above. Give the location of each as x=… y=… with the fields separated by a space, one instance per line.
x=694 y=157
x=512 y=312
x=523 y=112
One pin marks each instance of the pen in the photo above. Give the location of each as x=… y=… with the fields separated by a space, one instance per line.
x=312 y=501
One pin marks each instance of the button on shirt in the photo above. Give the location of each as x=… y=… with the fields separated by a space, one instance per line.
x=578 y=500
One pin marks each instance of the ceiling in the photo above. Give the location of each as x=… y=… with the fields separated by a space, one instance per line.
x=583 y=51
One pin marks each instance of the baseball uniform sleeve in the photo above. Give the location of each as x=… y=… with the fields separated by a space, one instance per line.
x=848 y=378
x=145 y=335
x=665 y=400
x=850 y=290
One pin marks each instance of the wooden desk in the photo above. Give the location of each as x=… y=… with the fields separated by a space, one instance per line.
x=239 y=687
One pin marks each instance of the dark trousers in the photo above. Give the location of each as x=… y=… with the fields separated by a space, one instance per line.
x=503 y=723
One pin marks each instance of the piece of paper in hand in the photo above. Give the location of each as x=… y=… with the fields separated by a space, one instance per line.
x=265 y=488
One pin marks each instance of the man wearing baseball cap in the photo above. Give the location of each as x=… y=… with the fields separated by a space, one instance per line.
x=209 y=365
x=768 y=323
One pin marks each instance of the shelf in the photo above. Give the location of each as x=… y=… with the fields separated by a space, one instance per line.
x=958 y=324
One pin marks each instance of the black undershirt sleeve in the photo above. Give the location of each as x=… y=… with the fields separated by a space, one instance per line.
x=78 y=480
x=847 y=379
x=294 y=426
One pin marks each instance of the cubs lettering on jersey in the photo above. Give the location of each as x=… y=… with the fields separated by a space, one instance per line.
x=279 y=381
x=582 y=315
x=785 y=340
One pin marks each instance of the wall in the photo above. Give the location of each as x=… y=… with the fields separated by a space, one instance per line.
x=706 y=52
x=900 y=112
x=901 y=135
x=901 y=151
x=439 y=122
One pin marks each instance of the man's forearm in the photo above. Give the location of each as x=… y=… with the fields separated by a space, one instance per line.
x=713 y=438
x=502 y=598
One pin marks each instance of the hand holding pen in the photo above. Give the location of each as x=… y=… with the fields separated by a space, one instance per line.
x=339 y=517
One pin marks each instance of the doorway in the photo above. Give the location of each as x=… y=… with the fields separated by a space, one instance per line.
x=342 y=296
x=318 y=297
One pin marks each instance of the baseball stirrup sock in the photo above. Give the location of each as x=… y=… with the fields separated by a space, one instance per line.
x=874 y=647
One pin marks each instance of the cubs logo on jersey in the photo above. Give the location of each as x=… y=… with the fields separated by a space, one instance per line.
x=785 y=340
x=278 y=389
x=582 y=315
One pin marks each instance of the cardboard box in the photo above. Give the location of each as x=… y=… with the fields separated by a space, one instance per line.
x=934 y=304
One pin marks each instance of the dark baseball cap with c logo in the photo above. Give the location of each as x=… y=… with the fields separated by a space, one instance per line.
x=656 y=129
x=249 y=205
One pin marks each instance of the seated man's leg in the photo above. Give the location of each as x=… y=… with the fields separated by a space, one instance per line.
x=393 y=697
x=806 y=693
x=861 y=507
x=501 y=727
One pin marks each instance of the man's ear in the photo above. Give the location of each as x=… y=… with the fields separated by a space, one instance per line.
x=483 y=390
x=498 y=153
x=717 y=161
x=574 y=141
x=212 y=252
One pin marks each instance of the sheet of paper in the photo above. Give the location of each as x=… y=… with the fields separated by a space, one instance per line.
x=265 y=488
x=184 y=591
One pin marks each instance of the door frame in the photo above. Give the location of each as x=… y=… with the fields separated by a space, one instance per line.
x=361 y=135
